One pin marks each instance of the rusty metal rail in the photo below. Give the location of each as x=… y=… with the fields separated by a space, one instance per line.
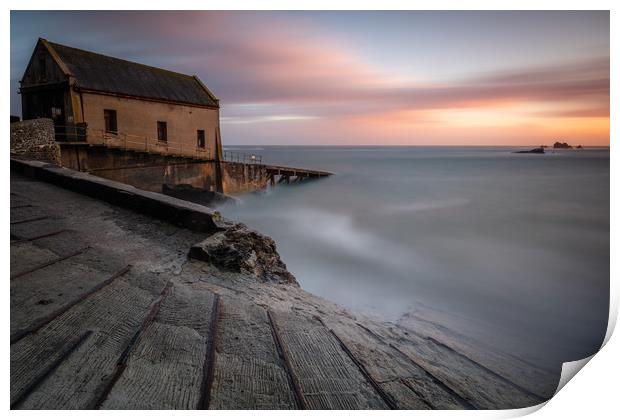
x=127 y=141
x=239 y=157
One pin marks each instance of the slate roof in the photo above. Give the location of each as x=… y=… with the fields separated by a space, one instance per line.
x=113 y=75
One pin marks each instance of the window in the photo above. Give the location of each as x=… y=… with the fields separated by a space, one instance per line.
x=162 y=131
x=201 y=139
x=42 y=68
x=109 y=115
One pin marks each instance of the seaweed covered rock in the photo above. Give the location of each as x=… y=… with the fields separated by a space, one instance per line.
x=243 y=250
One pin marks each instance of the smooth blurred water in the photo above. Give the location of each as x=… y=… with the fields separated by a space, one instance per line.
x=515 y=246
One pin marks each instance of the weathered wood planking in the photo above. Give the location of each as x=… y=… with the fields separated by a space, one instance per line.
x=249 y=373
x=27 y=211
x=328 y=378
x=407 y=383
x=26 y=255
x=522 y=373
x=40 y=321
x=165 y=370
x=473 y=383
x=114 y=315
x=37 y=227
x=65 y=242
x=38 y=294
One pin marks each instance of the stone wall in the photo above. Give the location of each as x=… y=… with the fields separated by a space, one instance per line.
x=238 y=178
x=34 y=140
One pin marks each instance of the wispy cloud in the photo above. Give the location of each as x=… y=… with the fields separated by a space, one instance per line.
x=271 y=69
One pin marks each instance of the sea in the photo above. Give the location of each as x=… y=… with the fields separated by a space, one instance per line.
x=509 y=249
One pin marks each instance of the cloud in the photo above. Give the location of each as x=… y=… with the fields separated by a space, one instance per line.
x=269 y=68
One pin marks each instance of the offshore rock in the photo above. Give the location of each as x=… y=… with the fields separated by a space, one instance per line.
x=243 y=250
x=560 y=145
x=538 y=150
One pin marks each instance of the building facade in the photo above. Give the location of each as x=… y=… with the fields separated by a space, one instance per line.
x=99 y=99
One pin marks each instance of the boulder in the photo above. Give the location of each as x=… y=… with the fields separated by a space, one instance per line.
x=243 y=250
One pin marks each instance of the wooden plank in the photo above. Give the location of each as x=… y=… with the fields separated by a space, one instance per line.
x=165 y=370
x=387 y=398
x=40 y=236
x=410 y=386
x=24 y=256
x=37 y=227
x=406 y=398
x=286 y=358
x=536 y=380
x=27 y=211
x=27 y=301
x=63 y=353
x=29 y=220
x=121 y=364
x=474 y=384
x=48 y=263
x=489 y=371
x=249 y=373
x=67 y=241
x=328 y=378
x=114 y=315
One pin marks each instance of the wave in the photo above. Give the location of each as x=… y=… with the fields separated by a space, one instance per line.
x=339 y=232
x=424 y=206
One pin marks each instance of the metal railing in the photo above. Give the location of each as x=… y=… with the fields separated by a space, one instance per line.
x=133 y=142
x=82 y=133
x=70 y=132
x=239 y=157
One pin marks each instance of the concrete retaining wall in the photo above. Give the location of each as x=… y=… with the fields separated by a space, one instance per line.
x=240 y=178
x=179 y=212
x=34 y=139
x=146 y=171
x=149 y=171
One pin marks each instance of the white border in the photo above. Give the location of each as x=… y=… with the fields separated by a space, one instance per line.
x=592 y=394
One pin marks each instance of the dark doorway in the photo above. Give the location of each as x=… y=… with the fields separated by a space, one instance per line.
x=44 y=103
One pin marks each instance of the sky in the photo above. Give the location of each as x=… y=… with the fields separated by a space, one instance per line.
x=364 y=78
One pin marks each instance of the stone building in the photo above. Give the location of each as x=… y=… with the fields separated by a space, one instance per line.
x=108 y=101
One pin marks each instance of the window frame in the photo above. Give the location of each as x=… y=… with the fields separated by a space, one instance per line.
x=110 y=124
x=201 y=139
x=162 y=131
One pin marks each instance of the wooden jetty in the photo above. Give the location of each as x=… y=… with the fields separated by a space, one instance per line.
x=285 y=174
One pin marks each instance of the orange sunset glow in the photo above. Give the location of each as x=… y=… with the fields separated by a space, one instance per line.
x=415 y=78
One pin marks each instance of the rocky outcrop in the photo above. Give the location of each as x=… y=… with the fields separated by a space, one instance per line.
x=243 y=250
x=559 y=145
x=538 y=150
